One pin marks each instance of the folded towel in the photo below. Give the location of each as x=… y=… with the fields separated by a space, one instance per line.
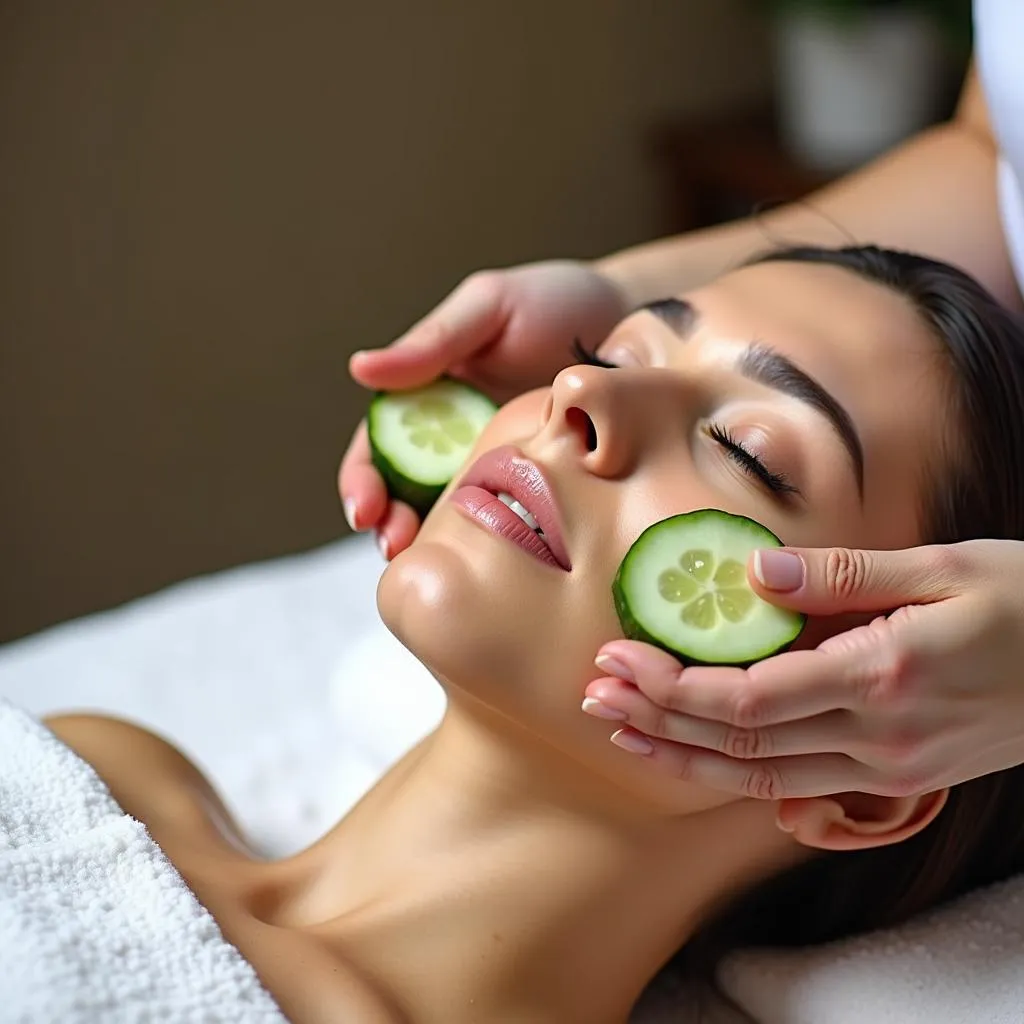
x=96 y=926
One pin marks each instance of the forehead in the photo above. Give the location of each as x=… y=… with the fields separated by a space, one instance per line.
x=822 y=309
x=867 y=346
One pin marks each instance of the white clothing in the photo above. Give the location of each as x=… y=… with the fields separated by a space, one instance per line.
x=999 y=50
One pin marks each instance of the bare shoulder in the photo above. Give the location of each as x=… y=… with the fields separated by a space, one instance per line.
x=312 y=981
x=149 y=777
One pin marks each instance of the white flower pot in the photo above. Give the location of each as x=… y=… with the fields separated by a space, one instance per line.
x=851 y=88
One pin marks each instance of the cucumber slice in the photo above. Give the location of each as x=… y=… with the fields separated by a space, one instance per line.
x=419 y=439
x=683 y=587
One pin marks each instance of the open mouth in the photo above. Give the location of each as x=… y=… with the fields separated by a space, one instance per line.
x=510 y=495
x=520 y=510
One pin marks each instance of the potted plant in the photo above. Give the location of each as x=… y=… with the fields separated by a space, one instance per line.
x=857 y=76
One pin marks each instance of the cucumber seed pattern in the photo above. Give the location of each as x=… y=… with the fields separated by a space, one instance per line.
x=706 y=590
x=436 y=423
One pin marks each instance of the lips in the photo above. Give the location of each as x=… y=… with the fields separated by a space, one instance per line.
x=507 y=471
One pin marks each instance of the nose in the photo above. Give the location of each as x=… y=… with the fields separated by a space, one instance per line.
x=594 y=411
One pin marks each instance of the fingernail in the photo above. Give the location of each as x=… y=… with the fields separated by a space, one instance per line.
x=383 y=547
x=592 y=706
x=778 y=570
x=634 y=742
x=350 y=514
x=783 y=826
x=614 y=667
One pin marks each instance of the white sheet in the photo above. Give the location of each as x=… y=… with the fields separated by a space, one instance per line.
x=255 y=649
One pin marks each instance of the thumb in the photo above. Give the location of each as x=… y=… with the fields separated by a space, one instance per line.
x=468 y=320
x=832 y=581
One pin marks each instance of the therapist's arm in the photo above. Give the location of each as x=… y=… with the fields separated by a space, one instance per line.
x=935 y=195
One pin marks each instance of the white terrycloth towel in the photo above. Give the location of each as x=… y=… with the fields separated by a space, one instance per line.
x=959 y=964
x=96 y=926
x=281 y=682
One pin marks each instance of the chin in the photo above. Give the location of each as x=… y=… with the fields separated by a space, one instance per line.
x=487 y=620
x=523 y=651
x=421 y=598
x=443 y=605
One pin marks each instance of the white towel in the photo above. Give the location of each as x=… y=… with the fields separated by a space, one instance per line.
x=96 y=926
x=959 y=964
x=280 y=681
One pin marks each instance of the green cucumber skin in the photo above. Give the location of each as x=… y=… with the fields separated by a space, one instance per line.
x=633 y=630
x=422 y=497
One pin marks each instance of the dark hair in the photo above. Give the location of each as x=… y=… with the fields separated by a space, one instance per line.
x=978 y=837
x=979 y=490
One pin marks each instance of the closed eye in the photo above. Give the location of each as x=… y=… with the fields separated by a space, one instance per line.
x=588 y=358
x=749 y=462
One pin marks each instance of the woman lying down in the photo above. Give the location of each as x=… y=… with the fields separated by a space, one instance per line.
x=516 y=866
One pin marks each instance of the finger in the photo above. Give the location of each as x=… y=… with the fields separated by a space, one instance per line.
x=768 y=779
x=797 y=684
x=399 y=529
x=470 y=318
x=363 y=494
x=827 y=581
x=832 y=732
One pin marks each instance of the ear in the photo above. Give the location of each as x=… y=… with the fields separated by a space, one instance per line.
x=858 y=821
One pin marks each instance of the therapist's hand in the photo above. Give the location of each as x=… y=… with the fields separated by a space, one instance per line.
x=930 y=696
x=505 y=331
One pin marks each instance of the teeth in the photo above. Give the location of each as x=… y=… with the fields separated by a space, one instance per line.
x=523 y=513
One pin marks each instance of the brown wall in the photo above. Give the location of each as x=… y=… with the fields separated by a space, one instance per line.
x=205 y=206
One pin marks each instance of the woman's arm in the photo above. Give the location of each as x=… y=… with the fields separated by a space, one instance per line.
x=506 y=330
x=935 y=194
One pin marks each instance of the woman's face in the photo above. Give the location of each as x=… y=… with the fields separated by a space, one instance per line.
x=796 y=394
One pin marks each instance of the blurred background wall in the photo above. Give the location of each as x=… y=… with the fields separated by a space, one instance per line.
x=206 y=206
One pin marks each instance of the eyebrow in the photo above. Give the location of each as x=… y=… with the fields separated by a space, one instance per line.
x=764 y=365
x=676 y=314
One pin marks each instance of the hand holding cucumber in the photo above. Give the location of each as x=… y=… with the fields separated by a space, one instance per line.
x=503 y=331
x=931 y=696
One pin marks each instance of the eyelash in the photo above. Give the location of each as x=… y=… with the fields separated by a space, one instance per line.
x=588 y=358
x=748 y=461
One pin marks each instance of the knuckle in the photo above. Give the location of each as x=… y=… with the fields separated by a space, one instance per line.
x=846 y=571
x=660 y=723
x=683 y=766
x=944 y=561
x=746 y=744
x=484 y=284
x=765 y=782
x=892 y=680
x=746 y=710
x=902 y=749
x=668 y=691
x=903 y=785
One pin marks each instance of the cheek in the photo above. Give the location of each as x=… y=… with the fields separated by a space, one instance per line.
x=522 y=640
x=520 y=418
x=489 y=620
x=521 y=643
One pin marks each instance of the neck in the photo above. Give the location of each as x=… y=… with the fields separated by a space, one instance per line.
x=487 y=877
